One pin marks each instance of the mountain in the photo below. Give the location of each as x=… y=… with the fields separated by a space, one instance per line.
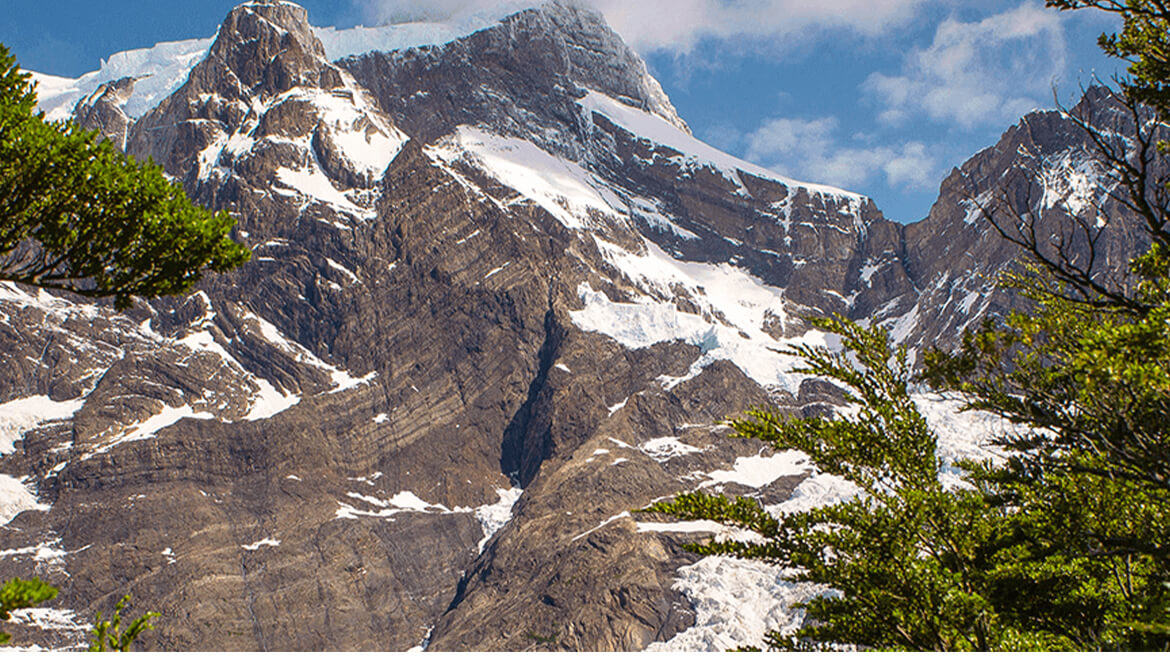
x=499 y=297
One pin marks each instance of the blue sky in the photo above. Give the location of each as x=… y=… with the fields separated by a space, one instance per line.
x=882 y=97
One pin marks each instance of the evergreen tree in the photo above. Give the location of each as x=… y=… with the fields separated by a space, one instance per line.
x=17 y=594
x=80 y=216
x=914 y=565
x=109 y=635
x=1064 y=546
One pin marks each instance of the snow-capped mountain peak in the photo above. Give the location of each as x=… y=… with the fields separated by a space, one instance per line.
x=499 y=296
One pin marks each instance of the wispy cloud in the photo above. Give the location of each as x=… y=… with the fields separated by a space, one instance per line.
x=979 y=73
x=812 y=149
x=679 y=25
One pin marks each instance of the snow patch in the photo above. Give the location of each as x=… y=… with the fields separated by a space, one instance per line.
x=650 y=211
x=901 y=326
x=682 y=526
x=562 y=188
x=665 y=448
x=599 y=526
x=203 y=341
x=158 y=70
x=736 y=603
x=426 y=641
x=341 y=43
x=403 y=501
x=735 y=309
x=16 y=496
x=962 y=435
x=495 y=516
x=49 y=619
x=408 y=500
x=820 y=490
x=42 y=300
x=343 y=269
x=342 y=380
x=266 y=400
x=1075 y=181
x=873 y=266
x=46 y=552
x=269 y=401
x=148 y=428
x=21 y=415
x=267 y=541
x=973 y=207
x=968 y=301
x=760 y=471
x=368 y=142
x=312 y=183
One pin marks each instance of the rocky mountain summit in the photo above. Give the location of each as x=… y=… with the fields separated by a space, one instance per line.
x=499 y=297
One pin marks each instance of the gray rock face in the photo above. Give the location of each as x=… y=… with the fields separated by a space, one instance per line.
x=492 y=265
x=1044 y=168
x=102 y=111
x=522 y=77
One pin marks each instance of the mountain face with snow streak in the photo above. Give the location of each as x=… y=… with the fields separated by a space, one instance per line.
x=499 y=297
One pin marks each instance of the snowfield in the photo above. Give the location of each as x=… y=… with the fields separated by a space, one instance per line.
x=695 y=153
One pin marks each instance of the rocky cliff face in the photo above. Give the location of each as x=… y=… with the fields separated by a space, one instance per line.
x=1043 y=172
x=499 y=297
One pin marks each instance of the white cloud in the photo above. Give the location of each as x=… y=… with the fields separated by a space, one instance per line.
x=809 y=149
x=679 y=25
x=979 y=73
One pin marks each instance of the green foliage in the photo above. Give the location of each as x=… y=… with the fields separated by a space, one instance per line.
x=858 y=450
x=1095 y=379
x=913 y=566
x=77 y=215
x=1004 y=563
x=16 y=594
x=1064 y=546
x=109 y=636
x=1088 y=368
x=1089 y=481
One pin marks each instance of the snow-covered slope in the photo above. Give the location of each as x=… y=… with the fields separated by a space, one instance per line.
x=158 y=71
x=692 y=152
